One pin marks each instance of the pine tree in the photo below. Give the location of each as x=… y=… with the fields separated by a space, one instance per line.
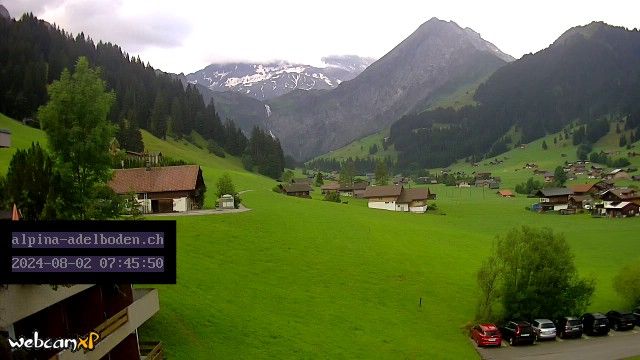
x=544 y=145
x=382 y=174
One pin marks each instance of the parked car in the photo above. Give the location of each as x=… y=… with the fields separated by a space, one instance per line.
x=636 y=313
x=569 y=327
x=595 y=324
x=544 y=329
x=486 y=335
x=518 y=332
x=621 y=320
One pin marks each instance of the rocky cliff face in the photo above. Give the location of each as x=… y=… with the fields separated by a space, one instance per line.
x=438 y=55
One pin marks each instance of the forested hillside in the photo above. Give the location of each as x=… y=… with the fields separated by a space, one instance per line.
x=589 y=75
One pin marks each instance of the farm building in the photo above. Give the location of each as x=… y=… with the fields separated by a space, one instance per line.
x=621 y=194
x=162 y=189
x=333 y=186
x=300 y=189
x=462 y=184
x=582 y=201
x=617 y=174
x=5 y=138
x=505 y=193
x=554 y=199
x=549 y=177
x=619 y=209
x=301 y=181
x=397 y=198
x=583 y=189
x=355 y=190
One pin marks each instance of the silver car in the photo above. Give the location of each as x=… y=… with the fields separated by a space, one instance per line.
x=544 y=329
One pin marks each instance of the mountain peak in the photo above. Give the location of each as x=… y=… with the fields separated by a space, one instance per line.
x=586 y=31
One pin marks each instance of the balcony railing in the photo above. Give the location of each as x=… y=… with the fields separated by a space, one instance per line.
x=151 y=350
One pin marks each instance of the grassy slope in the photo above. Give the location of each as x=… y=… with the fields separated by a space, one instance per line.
x=511 y=171
x=297 y=278
x=21 y=138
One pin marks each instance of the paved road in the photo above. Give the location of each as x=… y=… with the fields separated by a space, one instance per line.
x=618 y=345
x=204 y=212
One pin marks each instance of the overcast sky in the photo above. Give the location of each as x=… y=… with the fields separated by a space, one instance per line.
x=186 y=35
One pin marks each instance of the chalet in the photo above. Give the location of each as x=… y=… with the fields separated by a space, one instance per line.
x=583 y=189
x=554 y=199
x=603 y=185
x=490 y=183
x=621 y=195
x=505 y=193
x=5 y=138
x=619 y=209
x=356 y=189
x=483 y=176
x=549 y=177
x=153 y=158
x=162 y=189
x=330 y=187
x=296 y=189
x=617 y=174
x=462 y=184
x=397 y=198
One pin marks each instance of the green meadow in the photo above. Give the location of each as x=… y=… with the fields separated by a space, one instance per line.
x=304 y=278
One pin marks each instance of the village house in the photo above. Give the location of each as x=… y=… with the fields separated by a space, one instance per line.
x=583 y=189
x=492 y=183
x=301 y=181
x=619 y=209
x=397 y=198
x=330 y=187
x=162 y=189
x=462 y=184
x=299 y=189
x=554 y=199
x=505 y=193
x=355 y=190
x=621 y=195
x=153 y=158
x=5 y=138
x=483 y=176
x=617 y=174
x=549 y=177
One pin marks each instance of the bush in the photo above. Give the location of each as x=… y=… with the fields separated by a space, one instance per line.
x=276 y=189
x=627 y=284
x=432 y=207
x=332 y=196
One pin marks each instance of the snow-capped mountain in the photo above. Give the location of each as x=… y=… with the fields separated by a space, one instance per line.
x=266 y=81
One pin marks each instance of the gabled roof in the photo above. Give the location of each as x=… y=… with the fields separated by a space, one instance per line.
x=623 y=193
x=615 y=171
x=618 y=205
x=555 y=192
x=581 y=188
x=382 y=191
x=409 y=195
x=360 y=185
x=334 y=185
x=155 y=179
x=296 y=187
x=301 y=180
x=581 y=198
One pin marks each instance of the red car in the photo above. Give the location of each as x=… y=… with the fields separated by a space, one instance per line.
x=486 y=335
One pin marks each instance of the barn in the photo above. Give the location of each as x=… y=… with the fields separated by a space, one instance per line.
x=162 y=189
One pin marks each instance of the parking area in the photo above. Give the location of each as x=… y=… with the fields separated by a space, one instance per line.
x=616 y=345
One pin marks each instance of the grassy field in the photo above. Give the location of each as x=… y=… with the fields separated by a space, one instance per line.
x=304 y=278
x=360 y=148
x=21 y=138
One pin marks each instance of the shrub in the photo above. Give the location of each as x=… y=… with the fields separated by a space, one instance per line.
x=332 y=196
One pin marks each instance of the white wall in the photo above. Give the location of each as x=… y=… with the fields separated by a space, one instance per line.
x=560 y=207
x=418 y=209
x=391 y=205
x=181 y=204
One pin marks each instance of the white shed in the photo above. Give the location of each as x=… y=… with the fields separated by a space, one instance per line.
x=226 y=202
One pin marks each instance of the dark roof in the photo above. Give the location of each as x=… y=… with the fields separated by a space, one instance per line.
x=361 y=185
x=334 y=185
x=580 y=198
x=382 y=191
x=296 y=187
x=549 y=174
x=155 y=179
x=555 y=191
x=624 y=193
x=409 y=195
